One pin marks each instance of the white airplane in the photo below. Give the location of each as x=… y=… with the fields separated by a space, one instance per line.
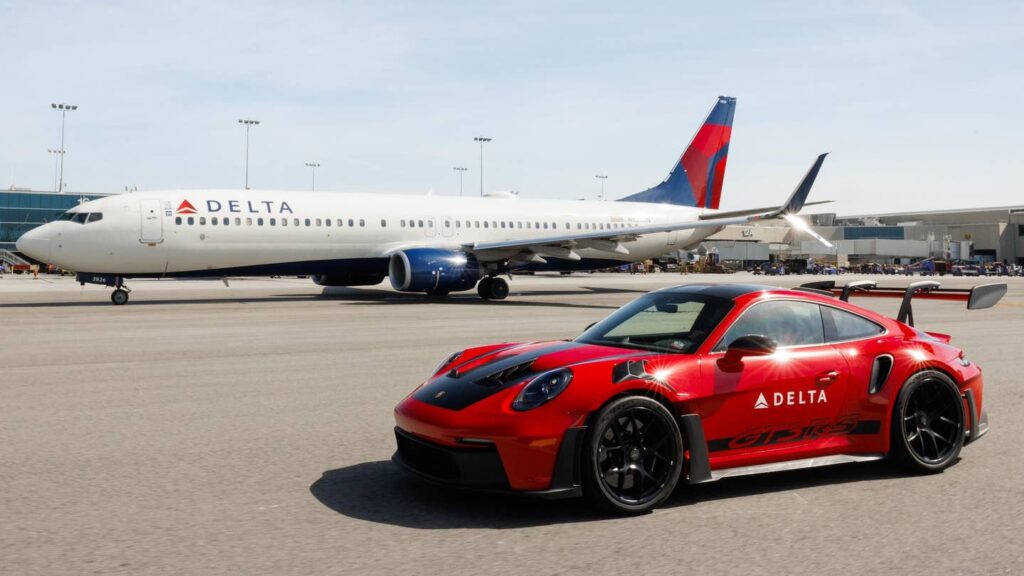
x=429 y=244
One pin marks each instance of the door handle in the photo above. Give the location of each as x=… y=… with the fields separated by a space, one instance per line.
x=827 y=377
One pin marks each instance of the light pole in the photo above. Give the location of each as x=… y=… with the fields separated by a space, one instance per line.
x=313 y=166
x=248 y=124
x=602 y=178
x=482 y=140
x=462 y=172
x=56 y=160
x=64 y=109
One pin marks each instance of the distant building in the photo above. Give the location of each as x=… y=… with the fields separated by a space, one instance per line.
x=21 y=210
x=978 y=235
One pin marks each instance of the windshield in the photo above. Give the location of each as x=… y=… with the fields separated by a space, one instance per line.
x=660 y=322
x=82 y=217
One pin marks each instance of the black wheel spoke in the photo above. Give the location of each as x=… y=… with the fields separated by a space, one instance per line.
x=668 y=461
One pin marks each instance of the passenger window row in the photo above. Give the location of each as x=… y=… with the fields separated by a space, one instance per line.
x=283 y=222
x=516 y=224
x=352 y=222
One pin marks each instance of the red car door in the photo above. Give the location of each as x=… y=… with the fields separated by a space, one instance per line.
x=760 y=408
x=868 y=349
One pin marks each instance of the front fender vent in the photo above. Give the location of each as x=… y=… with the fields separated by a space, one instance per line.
x=880 y=370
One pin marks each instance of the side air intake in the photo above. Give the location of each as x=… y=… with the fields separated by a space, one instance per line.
x=880 y=371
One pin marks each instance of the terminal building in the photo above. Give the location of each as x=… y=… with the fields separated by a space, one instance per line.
x=980 y=235
x=23 y=210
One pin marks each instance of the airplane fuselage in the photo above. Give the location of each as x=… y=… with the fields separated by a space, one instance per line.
x=246 y=232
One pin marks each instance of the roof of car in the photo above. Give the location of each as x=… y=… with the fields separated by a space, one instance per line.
x=729 y=291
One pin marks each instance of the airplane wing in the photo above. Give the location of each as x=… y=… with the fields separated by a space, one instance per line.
x=615 y=240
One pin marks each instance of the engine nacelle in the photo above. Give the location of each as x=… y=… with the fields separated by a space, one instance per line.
x=348 y=279
x=432 y=270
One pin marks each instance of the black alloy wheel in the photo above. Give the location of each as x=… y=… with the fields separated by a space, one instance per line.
x=928 y=422
x=634 y=456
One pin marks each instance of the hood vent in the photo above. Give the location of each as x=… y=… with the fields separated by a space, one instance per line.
x=502 y=377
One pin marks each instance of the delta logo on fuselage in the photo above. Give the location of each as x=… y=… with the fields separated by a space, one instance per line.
x=238 y=206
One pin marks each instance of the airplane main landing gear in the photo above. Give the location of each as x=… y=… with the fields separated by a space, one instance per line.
x=492 y=288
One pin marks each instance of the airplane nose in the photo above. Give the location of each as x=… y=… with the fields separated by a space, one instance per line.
x=35 y=243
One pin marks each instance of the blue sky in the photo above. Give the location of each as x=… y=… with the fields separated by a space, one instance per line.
x=918 y=102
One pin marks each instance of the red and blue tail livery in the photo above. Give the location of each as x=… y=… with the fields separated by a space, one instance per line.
x=696 y=179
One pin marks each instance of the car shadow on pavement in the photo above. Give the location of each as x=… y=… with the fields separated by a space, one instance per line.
x=381 y=492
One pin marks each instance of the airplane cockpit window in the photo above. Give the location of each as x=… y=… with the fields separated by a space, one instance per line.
x=80 y=217
x=95 y=217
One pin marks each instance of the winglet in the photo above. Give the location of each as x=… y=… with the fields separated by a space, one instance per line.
x=796 y=200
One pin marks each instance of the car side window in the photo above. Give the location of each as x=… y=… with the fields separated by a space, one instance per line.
x=841 y=326
x=787 y=322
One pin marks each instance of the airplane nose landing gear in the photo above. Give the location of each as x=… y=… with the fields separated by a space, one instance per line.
x=119 y=296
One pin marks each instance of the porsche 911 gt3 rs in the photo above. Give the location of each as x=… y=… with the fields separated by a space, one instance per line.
x=696 y=383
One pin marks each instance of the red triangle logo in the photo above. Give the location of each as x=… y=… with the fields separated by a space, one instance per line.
x=186 y=207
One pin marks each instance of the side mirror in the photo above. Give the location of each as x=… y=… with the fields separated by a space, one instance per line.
x=750 y=345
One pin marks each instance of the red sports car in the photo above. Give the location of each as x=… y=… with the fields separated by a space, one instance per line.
x=696 y=383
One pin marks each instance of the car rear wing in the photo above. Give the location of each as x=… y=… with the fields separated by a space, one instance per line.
x=977 y=298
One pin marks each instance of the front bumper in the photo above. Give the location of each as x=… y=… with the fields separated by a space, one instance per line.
x=480 y=467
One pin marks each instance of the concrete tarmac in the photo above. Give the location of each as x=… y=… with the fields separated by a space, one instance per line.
x=205 y=429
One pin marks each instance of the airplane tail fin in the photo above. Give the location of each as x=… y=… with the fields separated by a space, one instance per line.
x=696 y=179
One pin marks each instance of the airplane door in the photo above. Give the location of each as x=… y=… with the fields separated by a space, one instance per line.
x=152 y=225
x=431 y=229
x=446 y=226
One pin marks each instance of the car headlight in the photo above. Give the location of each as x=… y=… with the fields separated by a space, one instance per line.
x=542 y=388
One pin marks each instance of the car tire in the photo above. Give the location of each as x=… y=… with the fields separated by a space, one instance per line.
x=927 y=428
x=633 y=457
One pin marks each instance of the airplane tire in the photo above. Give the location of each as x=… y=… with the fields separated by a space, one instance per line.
x=119 y=297
x=483 y=288
x=499 y=289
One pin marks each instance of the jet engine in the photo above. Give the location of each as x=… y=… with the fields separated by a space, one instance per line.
x=432 y=270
